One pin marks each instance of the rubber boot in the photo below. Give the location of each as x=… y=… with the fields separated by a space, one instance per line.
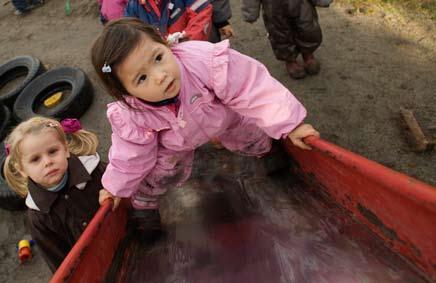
x=311 y=65
x=216 y=143
x=276 y=160
x=295 y=70
x=146 y=219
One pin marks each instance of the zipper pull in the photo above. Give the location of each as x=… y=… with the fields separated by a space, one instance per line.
x=182 y=123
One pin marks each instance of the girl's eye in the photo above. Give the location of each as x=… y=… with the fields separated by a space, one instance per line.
x=53 y=150
x=159 y=58
x=34 y=159
x=142 y=78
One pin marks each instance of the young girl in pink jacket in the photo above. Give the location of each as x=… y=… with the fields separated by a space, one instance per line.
x=172 y=100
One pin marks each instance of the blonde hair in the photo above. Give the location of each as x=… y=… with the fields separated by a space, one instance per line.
x=80 y=142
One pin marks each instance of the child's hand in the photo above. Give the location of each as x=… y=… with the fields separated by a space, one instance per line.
x=226 y=32
x=302 y=131
x=104 y=194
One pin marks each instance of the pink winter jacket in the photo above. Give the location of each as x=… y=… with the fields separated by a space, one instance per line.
x=221 y=90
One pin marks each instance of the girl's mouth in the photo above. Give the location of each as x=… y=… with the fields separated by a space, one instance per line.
x=52 y=172
x=170 y=86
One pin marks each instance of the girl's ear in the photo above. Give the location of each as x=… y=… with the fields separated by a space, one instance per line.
x=20 y=169
x=68 y=151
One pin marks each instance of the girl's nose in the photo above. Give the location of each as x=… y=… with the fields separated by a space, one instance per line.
x=47 y=161
x=160 y=76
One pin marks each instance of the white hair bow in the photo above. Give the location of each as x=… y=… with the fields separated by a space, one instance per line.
x=106 y=68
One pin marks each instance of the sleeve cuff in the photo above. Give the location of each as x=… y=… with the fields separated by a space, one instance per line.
x=221 y=24
x=285 y=135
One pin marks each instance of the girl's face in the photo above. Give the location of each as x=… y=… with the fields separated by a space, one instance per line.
x=150 y=72
x=43 y=158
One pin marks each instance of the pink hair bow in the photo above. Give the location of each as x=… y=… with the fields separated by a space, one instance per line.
x=71 y=125
x=7 y=149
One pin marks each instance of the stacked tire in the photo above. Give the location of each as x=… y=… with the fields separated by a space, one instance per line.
x=24 y=87
x=5 y=121
x=72 y=82
x=21 y=70
x=15 y=75
x=9 y=200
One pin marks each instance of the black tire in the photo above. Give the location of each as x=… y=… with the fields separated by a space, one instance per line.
x=26 y=66
x=73 y=82
x=5 y=121
x=9 y=200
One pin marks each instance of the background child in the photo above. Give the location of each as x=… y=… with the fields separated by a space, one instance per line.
x=171 y=101
x=60 y=180
x=293 y=28
x=111 y=9
x=221 y=28
x=24 y=6
x=193 y=17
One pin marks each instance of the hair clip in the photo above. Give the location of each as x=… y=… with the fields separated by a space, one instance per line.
x=7 y=149
x=50 y=125
x=71 y=125
x=106 y=68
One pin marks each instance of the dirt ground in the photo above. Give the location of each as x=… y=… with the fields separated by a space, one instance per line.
x=371 y=66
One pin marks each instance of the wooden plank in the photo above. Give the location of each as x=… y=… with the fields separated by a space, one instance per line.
x=419 y=141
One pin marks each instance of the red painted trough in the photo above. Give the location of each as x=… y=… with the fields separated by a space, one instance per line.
x=399 y=209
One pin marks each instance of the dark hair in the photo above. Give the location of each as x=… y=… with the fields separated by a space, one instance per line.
x=115 y=43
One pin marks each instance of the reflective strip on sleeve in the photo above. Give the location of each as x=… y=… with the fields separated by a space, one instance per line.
x=206 y=29
x=197 y=4
x=175 y=13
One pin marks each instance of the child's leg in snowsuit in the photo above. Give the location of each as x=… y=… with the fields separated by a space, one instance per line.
x=246 y=138
x=220 y=18
x=20 y=5
x=23 y=6
x=293 y=29
x=172 y=168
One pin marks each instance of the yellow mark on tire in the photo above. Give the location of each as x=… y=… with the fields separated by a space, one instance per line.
x=53 y=100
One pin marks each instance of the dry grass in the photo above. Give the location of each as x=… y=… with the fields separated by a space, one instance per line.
x=412 y=8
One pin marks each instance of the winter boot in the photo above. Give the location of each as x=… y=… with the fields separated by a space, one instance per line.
x=216 y=143
x=276 y=160
x=311 y=65
x=295 y=70
x=146 y=219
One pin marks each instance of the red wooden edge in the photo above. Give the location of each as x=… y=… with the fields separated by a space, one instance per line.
x=392 y=180
x=398 y=208
x=91 y=256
